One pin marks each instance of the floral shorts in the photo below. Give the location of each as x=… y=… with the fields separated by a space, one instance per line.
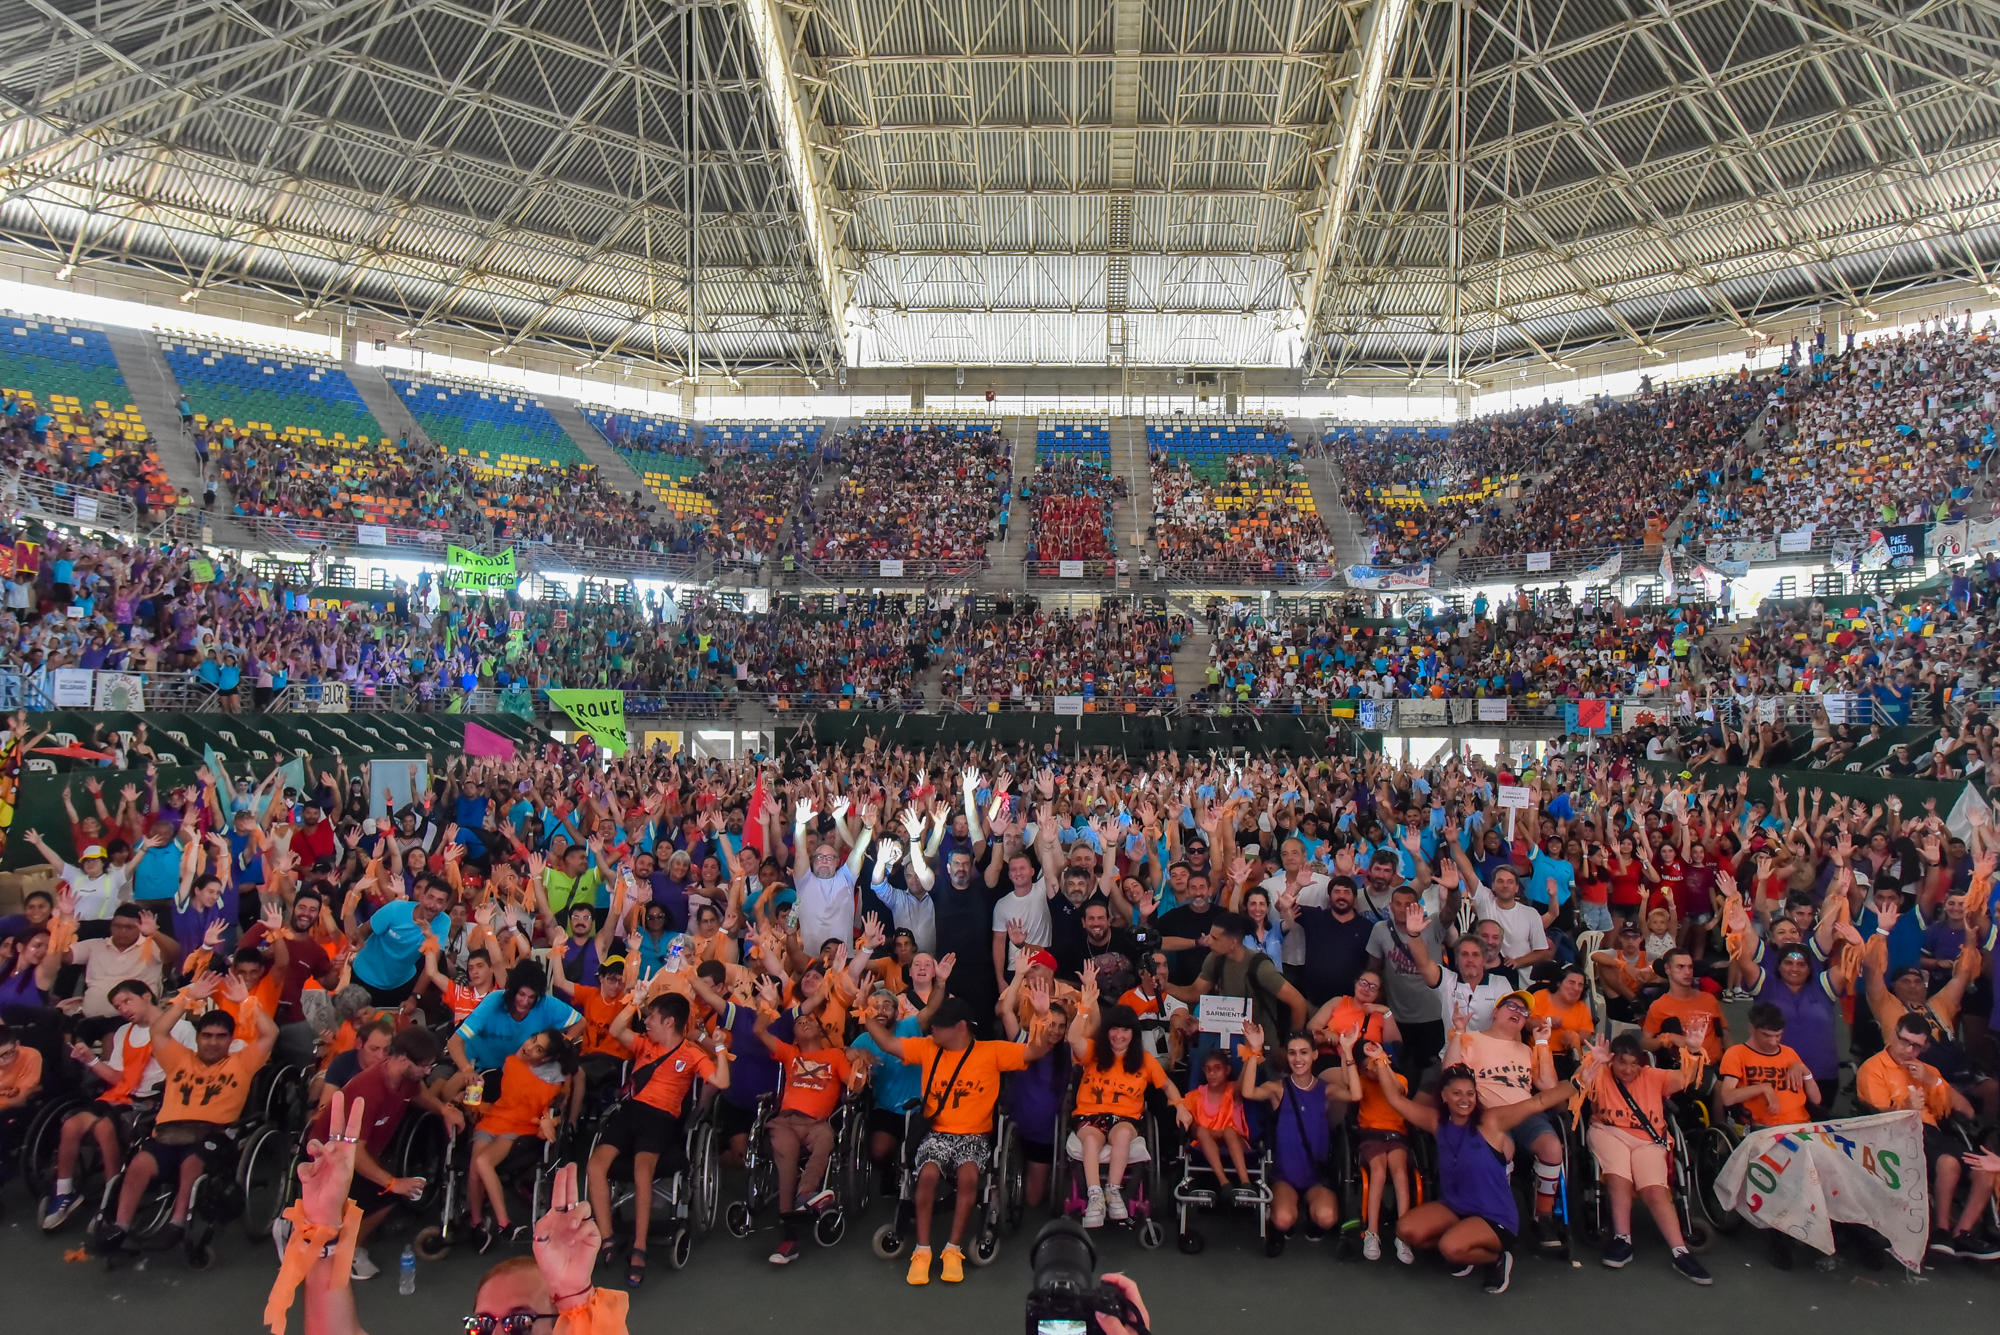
x=949 y=1151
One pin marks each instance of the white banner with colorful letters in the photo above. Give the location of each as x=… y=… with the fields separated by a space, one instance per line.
x=1801 y=1180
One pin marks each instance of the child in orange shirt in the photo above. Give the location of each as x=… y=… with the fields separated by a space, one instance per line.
x=1218 y=1116
x=530 y=1083
x=816 y=1070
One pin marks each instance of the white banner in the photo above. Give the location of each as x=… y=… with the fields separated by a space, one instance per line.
x=124 y=691
x=892 y=570
x=756 y=600
x=1767 y=709
x=1493 y=709
x=1374 y=715
x=1223 y=1015
x=1797 y=540
x=1069 y=706
x=1858 y=1170
x=1644 y=716
x=1423 y=713
x=1604 y=572
x=1069 y=570
x=1761 y=550
x=72 y=688
x=1516 y=797
x=1840 y=708
x=83 y=507
x=1538 y=561
x=1983 y=537
x=371 y=535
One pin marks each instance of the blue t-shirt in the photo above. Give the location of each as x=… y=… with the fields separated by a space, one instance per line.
x=159 y=873
x=896 y=1083
x=491 y=1033
x=1535 y=888
x=395 y=938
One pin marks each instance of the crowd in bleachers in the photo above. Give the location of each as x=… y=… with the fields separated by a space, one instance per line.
x=1114 y=653
x=66 y=416
x=912 y=491
x=1248 y=509
x=1414 y=490
x=1071 y=503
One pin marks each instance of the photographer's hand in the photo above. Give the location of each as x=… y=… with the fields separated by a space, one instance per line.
x=1111 y=1325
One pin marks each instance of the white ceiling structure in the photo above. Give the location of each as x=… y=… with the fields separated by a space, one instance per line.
x=1422 y=189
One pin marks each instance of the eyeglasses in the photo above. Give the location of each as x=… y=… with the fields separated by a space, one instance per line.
x=514 y=1323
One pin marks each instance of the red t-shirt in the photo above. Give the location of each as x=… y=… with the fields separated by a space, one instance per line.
x=385 y=1104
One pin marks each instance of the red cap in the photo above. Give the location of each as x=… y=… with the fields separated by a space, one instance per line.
x=1043 y=958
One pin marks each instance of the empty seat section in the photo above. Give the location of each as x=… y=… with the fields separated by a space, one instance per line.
x=69 y=372
x=499 y=426
x=286 y=395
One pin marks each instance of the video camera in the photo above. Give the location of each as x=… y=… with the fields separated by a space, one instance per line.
x=1067 y=1292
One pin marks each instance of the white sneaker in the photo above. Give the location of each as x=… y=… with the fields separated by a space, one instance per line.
x=1114 y=1204
x=281 y=1233
x=1093 y=1209
x=363 y=1267
x=1404 y=1254
x=1371 y=1246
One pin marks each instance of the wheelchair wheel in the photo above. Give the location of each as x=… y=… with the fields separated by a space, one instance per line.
x=1191 y=1242
x=39 y=1146
x=857 y=1170
x=267 y=1165
x=421 y=1150
x=1712 y=1151
x=1010 y=1180
x=737 y=1219
x=200 y=1256
x=830 y=1227
x=888 y=1244
x=1698 y=1235
x=704 y=1179
x=985 y=1249
x=679 y=1248
x=1060 y=1169
x=1151 y=1234
x=429 y=1244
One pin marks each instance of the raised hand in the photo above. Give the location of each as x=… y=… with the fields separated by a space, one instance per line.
x=945 y=965
x=324 y=1180
x=566 y=1243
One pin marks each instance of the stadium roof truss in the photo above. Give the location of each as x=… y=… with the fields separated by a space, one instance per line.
x=1420 y=188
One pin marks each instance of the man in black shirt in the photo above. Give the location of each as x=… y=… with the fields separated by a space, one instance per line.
x=1186 y=930
x=1112 y=950
x=1336 y=943
x=1066 y=912
x=964 y=920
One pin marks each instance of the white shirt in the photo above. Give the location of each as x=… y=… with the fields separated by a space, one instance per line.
x=96 y=896
x=1454 y=996
x=1312 y=895
x=826 y=908
x=105 y=966
x=149 y=1083
x=1520 y=926
x=1031 y=911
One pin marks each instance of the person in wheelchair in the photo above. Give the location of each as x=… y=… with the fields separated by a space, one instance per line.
x=1383 y=1145
x=132 y=1078
x=204 y=1093
x=390 y=1086
x=647 y=1125
x=1218 y=1123
x=815 y=1071
x=1898 y=1077
x=20 y=1088
x=894 y=1082
x=1475 y=1219
x=531 y=1081
x=1629 y=1138
x=1301 y=1131
x=1114 y=1070
x=959 y=1093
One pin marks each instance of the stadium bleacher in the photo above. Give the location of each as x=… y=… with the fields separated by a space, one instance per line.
x=285 y=394
x=1084 y=436
x=764 y=438
x=661 y=451
x=500 y=427
x=1206 y=443
x=68 y=370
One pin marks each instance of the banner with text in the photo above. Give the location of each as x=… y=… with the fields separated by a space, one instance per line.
x=485 y=574
x=1389 y=577
x=599 y=713
x=1801 y=1180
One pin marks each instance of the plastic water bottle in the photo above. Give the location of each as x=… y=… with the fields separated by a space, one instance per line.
x=677 y=955
x=406 y=1277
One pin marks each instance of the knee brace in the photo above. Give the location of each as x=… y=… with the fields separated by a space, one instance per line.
x=1548 y=1178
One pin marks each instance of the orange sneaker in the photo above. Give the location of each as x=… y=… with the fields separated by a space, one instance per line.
x=953 y=1270
x=920 y=1265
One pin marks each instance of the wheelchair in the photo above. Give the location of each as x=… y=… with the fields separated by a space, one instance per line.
x=1142 y=1189
x=684 y=1196
x=1711 y=1135
x=1593 y=1206
x=217 y=1198
x=529 y=1171
x=41 y=1144
x=1359 y=1186
x=1196 y=1188
x=760 y=1172
x=1004 y=1165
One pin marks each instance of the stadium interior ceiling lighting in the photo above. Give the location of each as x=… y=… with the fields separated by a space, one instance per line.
x=1433 y=190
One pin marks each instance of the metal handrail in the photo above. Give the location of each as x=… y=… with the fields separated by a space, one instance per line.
x=63 y=503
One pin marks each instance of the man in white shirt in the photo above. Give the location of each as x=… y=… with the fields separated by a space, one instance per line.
x=1523 y=941
x=134 y=949
x=826 y=885
x=1025 y=905
x=1308 y=885
x=1466 y=989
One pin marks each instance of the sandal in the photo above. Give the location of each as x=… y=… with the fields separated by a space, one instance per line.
x=635 y=1268
x=607 y=1252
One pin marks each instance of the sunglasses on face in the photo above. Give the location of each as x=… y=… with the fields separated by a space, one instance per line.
x=514 y=1323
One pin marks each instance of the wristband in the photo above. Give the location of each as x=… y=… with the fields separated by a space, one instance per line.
x=309 y=1244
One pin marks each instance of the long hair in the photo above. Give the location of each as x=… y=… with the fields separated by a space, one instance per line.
x=1101 y=1055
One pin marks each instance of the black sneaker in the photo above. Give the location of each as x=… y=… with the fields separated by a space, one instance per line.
x=1548 y=1234
x=1693 y=1269
x=1975 y=1246
x=1781 y=1250
x=484 y=1234
x=1618 y=1253
x=1943 y=1244
x=1500 y=1274
x=1274 y=1243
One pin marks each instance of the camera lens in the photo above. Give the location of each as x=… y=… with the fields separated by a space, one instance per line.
x=1063 y=1258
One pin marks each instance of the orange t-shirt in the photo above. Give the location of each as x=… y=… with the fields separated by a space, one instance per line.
x=1574 y=1025
x=667 y=1088
x=1349 y=1014
x=20 y=1078
x=1882 y=1083
x=597 y=1017
x=524 y=1097
x=1669 y=1008
x=265 y=994
x=195 y=1092
x=462 y=1000
x=963 y=1106
x=1377 y=1113
x=1503 y=1069
x=1115 y=1090
x=1649 y=1091
x=1750 y=1067
x=813 y=1080
x=1217 y=1113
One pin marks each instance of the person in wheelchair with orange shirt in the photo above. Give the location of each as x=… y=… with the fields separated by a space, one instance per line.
x=1898 y=1077
x=1114 y=1069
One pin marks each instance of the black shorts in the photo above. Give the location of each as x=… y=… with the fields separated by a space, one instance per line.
x=210 y=1148
x=1937 y=1145
x=387 y=997
x=1037 y=1151
x=120 y=1115
x=888 y=1122
x=371 y=1198
x=731 y=1120
x=640 y=1128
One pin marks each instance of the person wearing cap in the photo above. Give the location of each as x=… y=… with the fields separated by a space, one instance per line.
x=959 y=1089
x=1508 y=1071
x=1905 y=990
x=99 y=886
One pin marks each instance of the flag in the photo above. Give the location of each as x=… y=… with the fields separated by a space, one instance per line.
x=73 y=752
x=753 y=827
x=601 y=714
x=1801 y=1180
x=485 y=742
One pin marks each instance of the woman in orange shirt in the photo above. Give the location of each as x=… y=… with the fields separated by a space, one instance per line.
x=1385 y=1144
x=1363 y=1013
x=1115 y=1069
x=530 y=1083
x=1630 y=1137
x=1218 y=1116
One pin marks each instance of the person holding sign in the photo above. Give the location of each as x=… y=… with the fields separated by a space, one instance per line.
x=1232 y=969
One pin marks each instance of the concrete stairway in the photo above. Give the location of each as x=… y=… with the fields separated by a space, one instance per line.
x=1350 y=541
x=1128 y=457
x=613 y=467
x=385 y=405
x=154 y=392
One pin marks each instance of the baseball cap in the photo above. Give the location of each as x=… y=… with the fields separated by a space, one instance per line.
x=94 y=851
x=1527 y=1002
x=1043 y=958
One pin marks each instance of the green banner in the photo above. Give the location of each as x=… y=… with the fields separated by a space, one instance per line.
x=599 y=713
x=470 y=570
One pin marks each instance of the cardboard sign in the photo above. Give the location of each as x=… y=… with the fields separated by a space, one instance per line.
x=1223 y=1015
x=1516 y=798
